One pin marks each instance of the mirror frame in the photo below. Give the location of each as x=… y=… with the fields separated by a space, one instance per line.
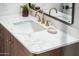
x=72 y=20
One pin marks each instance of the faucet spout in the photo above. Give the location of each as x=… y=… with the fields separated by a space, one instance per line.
x=52 y=9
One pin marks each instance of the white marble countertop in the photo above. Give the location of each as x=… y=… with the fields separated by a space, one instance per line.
x=37 y=42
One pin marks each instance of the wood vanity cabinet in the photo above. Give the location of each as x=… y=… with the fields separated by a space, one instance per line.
x=18 y=49
x=4 y=41
x=10 y=46
x=1 y=40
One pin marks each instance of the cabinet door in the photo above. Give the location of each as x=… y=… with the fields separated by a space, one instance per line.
x=20 y=49
x=13 y=46
x=17 y=49
x=7 y=42
x=1 y=40
x=9 y=45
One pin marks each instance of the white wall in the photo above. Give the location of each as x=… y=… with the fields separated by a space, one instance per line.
x=9 y=8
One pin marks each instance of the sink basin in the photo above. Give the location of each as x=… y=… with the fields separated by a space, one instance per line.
x=27 y=27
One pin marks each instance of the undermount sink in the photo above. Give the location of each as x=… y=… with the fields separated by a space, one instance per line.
x=27 y=27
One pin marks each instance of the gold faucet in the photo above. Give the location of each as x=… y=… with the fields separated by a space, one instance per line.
x=52 y=9
x=42 y=20
x=36 y=14
x=47 y=23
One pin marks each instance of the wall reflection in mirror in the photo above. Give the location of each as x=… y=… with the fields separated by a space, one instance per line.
x=62 y=11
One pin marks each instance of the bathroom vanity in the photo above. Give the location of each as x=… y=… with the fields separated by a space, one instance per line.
x=16 y=41
x=32 y=36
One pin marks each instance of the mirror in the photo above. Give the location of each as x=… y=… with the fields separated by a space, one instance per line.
x=61 y=11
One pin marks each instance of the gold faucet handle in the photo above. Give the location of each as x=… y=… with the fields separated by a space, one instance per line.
x=47 y=23
x=43 y=21
x=38 y=18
